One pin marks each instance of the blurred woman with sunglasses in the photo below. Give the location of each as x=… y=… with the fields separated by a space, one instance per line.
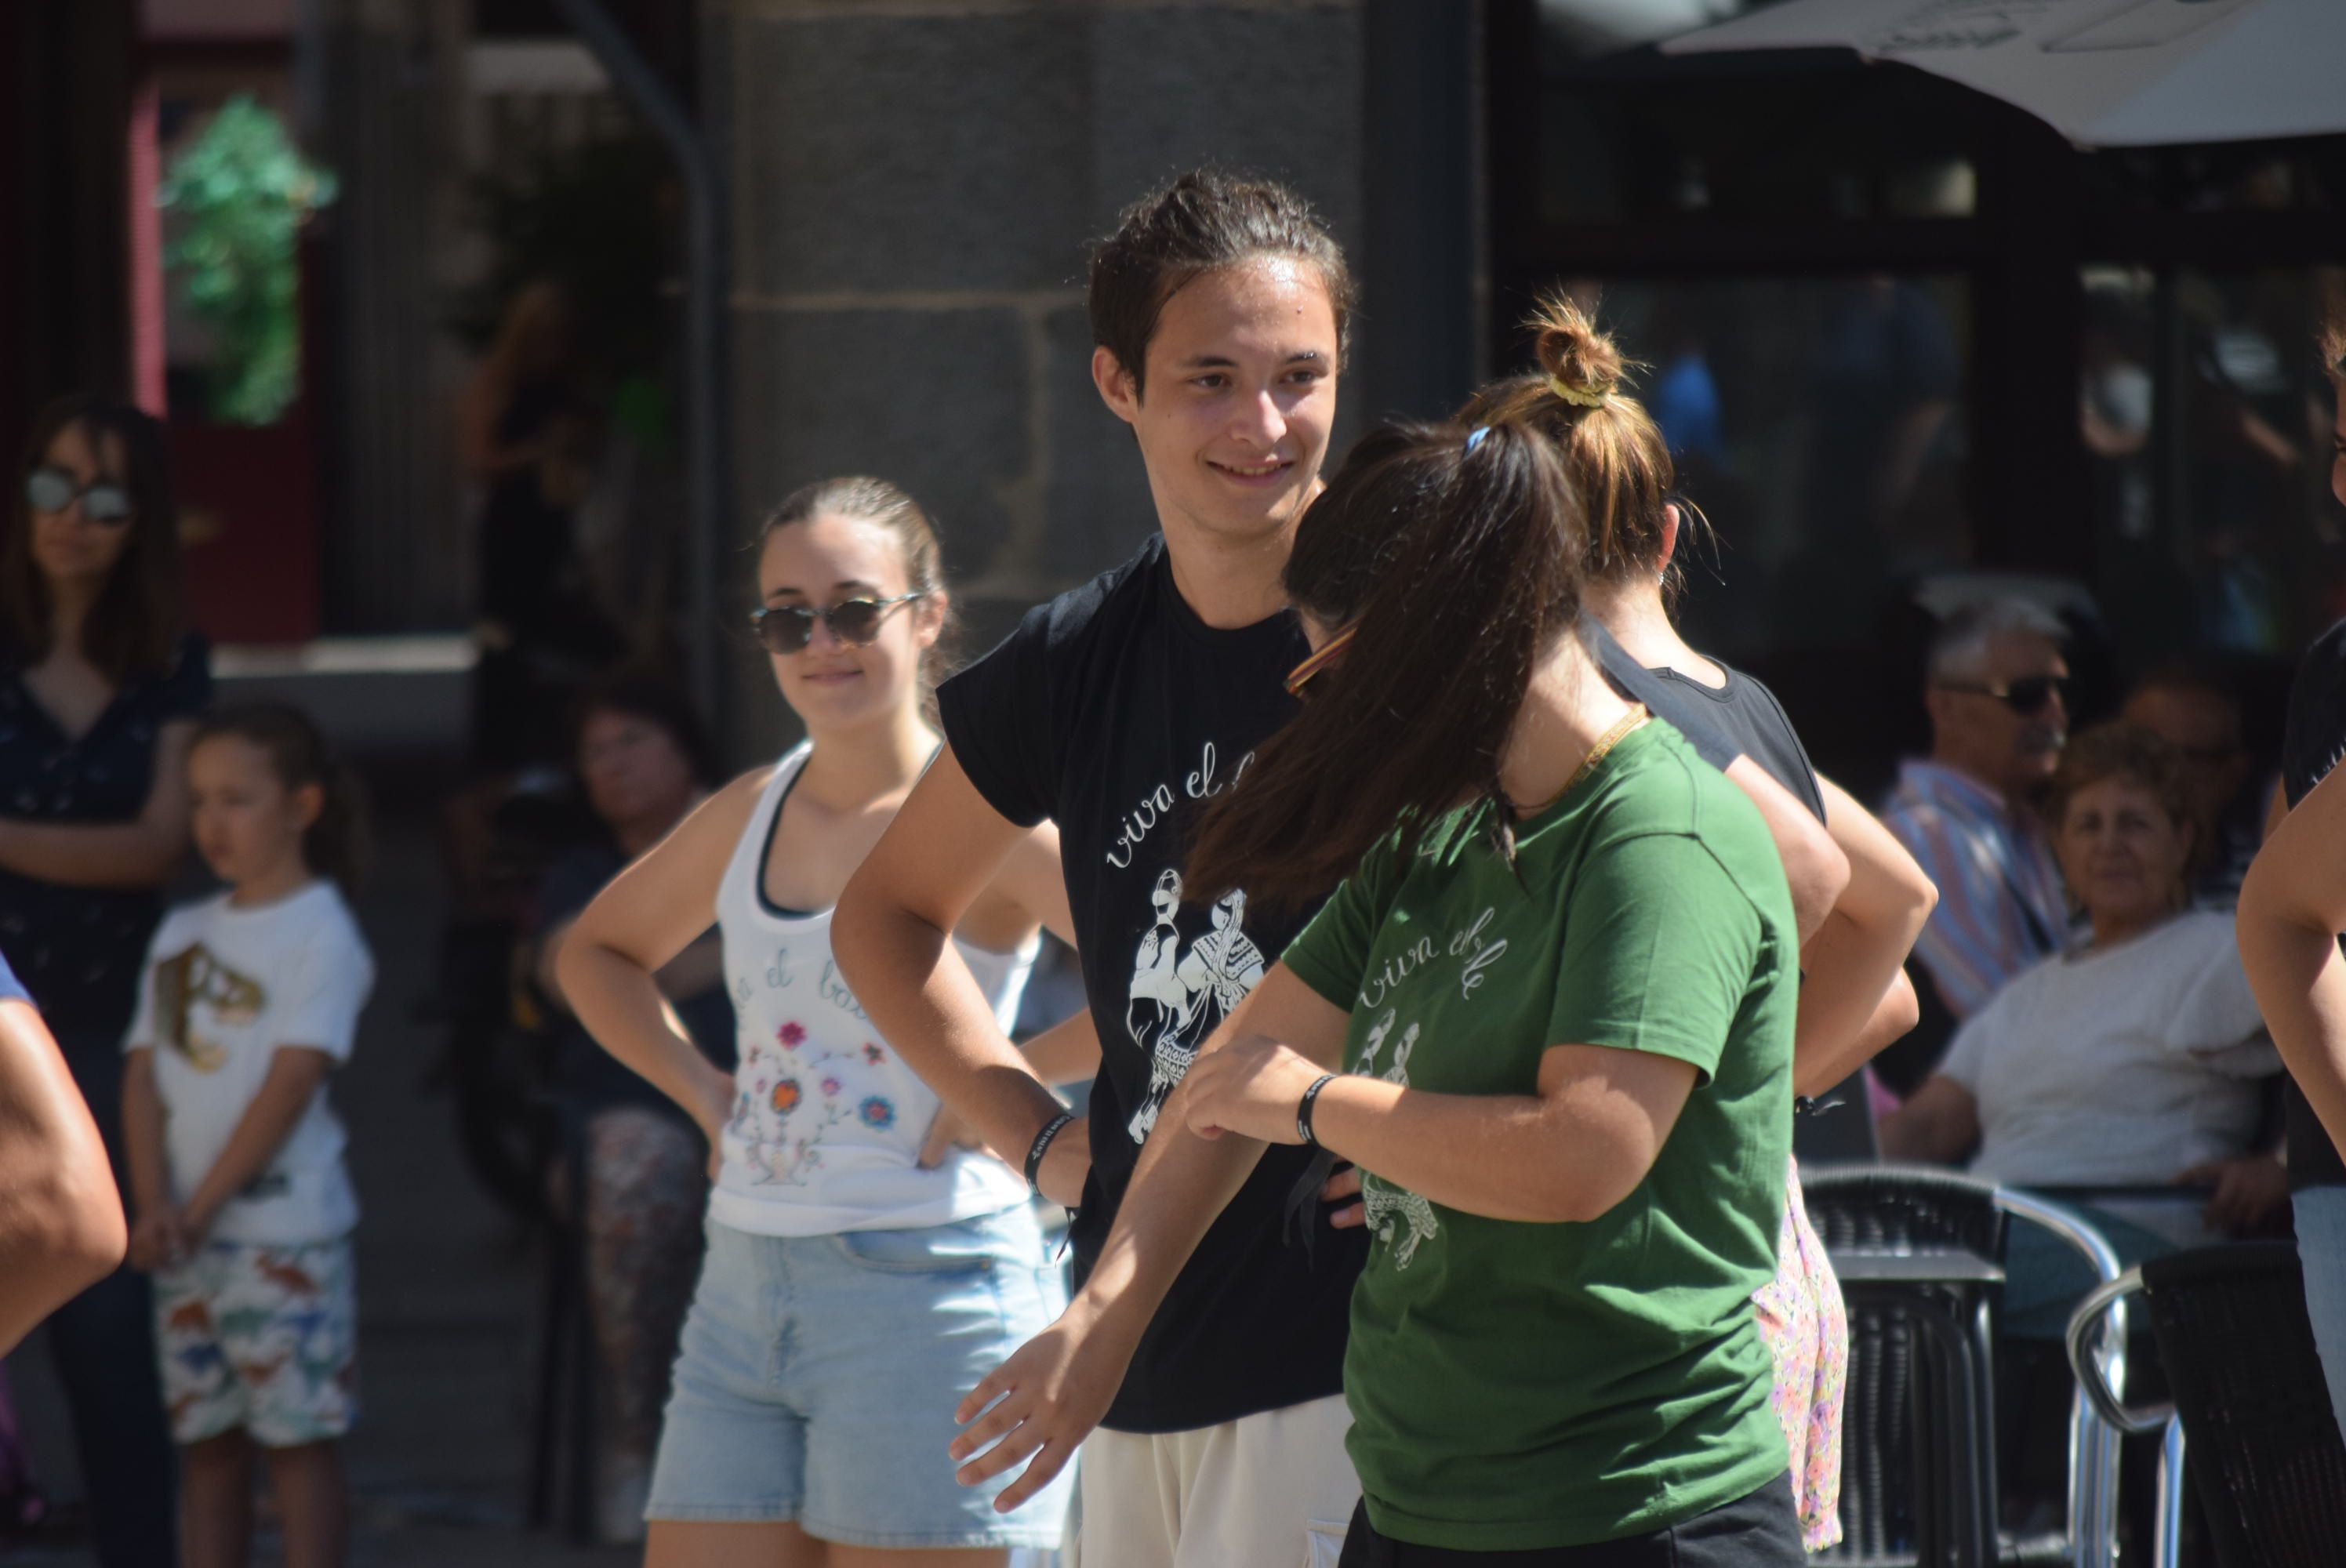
x=98 y=693
x=892 y=1267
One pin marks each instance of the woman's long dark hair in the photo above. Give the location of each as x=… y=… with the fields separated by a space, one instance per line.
x=134 y=629
x=1458 y=567
x=335 y=845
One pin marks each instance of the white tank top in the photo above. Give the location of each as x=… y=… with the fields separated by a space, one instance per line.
x=828 y=1121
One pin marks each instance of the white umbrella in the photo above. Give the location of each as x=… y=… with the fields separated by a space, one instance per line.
x=2104 y=73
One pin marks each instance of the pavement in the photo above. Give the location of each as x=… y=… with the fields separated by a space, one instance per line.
x=447 y=1284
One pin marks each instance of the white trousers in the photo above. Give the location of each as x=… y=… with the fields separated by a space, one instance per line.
x=1274 y=1490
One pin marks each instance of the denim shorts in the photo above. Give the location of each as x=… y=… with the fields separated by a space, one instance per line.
x=2321 y=1247
x=817 y=1378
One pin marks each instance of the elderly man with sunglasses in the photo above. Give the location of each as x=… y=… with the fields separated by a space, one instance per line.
x=1995 y=692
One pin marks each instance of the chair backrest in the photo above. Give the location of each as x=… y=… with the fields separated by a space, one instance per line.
x=1898 y=1482
x=1881 y=1207
x=2264 y=1452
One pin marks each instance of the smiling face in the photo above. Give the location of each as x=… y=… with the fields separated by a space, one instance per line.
x=69 y=546
x=248 y=824
x=2122 y=855
x=1240 y=395
x=833 y=684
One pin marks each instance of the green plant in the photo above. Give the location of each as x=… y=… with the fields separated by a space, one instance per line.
x=242 y=191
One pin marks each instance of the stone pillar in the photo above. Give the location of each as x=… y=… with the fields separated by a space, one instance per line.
x=913 y=184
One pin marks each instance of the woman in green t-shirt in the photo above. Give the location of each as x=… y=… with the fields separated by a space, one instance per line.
x=1559 y=980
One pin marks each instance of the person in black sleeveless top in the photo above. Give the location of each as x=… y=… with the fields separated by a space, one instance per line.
x=100 y=683
x=2292 y=909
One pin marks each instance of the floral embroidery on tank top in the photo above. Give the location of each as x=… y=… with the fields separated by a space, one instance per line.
x=794 y=1094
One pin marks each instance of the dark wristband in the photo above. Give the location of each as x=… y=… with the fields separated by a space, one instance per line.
x=1042 y=1145
x=1304 y=1110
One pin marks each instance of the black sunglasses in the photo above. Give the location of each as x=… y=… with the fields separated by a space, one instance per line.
x=788 y=628
x=2029 y=694
x=50 y=489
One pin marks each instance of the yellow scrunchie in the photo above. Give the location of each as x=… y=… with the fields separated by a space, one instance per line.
x=1585 y=397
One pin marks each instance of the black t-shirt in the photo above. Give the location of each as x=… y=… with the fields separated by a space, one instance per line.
x=1741 y=719
x=1114 y=711
x=2311 y=746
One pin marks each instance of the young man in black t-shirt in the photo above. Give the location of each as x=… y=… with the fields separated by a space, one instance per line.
x=1210 y=1356
x=1220 y=308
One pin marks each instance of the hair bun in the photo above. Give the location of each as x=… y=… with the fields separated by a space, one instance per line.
x=1578 y=358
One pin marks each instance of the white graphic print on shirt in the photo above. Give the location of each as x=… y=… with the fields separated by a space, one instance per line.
x=1177 y=998
x=1391 y=1207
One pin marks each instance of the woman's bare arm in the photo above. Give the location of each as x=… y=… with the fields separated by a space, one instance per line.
x=1855 y=997
x=61 y=1222
x=2293 y=908
x=607 y=960
x=140 y=853
x=1814 y=867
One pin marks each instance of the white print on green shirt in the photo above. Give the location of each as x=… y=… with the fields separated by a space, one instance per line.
x=1467 y=944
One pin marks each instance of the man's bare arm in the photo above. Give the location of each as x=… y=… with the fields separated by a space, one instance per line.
x=892 y=934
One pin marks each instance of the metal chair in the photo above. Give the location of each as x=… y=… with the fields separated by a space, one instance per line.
x=2251 y=1409
x=1919 y=1251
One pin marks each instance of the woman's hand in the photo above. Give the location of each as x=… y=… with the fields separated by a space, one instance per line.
x=1253 y=1086
x=2249 y=1192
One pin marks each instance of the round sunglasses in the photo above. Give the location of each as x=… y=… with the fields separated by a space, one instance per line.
x=788 y=628
x=52 y=489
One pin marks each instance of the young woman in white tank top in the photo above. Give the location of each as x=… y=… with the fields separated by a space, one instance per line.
x=865 y=1270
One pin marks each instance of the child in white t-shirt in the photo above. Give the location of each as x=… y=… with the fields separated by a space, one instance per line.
x=241 y=1206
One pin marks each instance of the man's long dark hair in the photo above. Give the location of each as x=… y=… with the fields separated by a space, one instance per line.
x=1458 y=565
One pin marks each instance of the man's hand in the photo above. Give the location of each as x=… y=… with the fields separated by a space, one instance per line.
x=1044 y=1401
x=158 y=1241
x=2249 y=1192
x=1253 y=1087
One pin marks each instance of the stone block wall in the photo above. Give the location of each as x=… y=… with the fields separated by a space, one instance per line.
x=913 y=184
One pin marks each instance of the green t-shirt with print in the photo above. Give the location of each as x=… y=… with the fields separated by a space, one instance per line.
x=1516 y=1386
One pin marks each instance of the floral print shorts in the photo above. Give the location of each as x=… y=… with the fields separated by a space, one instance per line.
x=1807 y=1328
x=263 y=1338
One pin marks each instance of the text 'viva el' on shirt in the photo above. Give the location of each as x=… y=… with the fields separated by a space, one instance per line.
x=1116 y=713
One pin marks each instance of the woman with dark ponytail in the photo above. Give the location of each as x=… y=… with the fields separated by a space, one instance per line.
x=1549 y=1010
x=1854 y=994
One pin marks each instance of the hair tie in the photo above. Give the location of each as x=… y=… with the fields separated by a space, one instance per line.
x=1474 y=437
x=1585 y=397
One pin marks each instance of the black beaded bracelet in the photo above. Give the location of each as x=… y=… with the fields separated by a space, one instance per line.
x=1042 y=1145
x=1304 y=1110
